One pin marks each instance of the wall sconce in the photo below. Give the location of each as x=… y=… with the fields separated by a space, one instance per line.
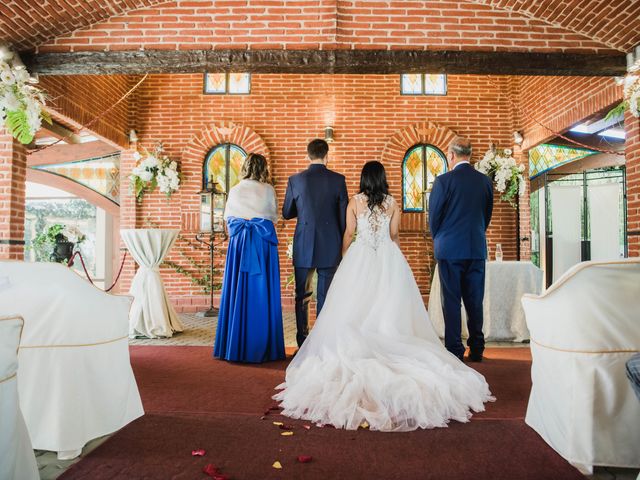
x=133 y=136
x=518 y=138
x=328 y=134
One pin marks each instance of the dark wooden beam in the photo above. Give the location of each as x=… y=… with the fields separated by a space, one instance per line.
x=324 y=61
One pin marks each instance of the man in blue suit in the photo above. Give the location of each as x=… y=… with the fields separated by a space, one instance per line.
x=460 y=208
x=318 y=198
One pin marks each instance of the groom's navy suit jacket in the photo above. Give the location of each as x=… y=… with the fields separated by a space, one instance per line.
x=318 y=198
x=460 y=207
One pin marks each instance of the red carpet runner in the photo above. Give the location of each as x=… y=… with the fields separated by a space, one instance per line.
x=193 y=401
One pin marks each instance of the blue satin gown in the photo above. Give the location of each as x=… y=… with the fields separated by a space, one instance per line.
x=250 y=320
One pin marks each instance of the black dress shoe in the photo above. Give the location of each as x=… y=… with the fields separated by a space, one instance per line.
x=475 y=356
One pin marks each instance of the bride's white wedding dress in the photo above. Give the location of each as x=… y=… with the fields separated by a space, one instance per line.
x=373 y=354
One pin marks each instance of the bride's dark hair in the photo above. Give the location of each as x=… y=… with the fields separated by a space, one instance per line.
x=373 y=183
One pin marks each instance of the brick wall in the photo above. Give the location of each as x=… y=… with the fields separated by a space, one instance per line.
x=326 y=24
x=560 y=102
x=632 y=154
x=285 y=112
x=82 y=98
x=13 y=164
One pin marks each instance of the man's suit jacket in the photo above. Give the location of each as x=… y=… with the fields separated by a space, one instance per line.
x=318 y=198
x=460 y=207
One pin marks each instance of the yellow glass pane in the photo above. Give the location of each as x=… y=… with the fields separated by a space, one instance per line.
x=413 y=180
x=435 y=165
x=239 y=82
x=435 y=84
x=216 y=168
x=215 y=83
x=236 y=160
x=411 y=83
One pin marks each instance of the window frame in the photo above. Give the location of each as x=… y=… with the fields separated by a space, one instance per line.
x=227 y=162
x=424 y=93
x=425 y=174
x=226 y=84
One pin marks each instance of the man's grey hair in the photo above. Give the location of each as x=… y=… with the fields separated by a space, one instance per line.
x=461 y=147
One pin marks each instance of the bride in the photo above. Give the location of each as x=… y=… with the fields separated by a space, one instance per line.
x=373 y=355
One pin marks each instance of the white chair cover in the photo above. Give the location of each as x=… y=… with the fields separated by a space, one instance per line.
x=583 y=330
x=76 y=381
x=17 y=461
x=152 y=314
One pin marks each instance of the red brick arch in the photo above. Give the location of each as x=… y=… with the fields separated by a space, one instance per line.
x=393 y=154
x=426 y=132
x=196 y=150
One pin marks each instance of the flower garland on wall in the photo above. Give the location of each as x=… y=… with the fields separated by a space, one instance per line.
x=502 y=168
x=154 y=169
x=21 y=103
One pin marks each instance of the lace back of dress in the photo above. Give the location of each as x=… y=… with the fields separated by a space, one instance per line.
x=373 y=225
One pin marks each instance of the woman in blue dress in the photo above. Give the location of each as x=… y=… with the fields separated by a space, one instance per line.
x=250 y=320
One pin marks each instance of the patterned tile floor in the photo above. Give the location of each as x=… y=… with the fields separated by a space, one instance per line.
x=200 y=331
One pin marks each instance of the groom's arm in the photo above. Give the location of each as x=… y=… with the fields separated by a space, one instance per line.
x=289 y=209
x=489 y=208
x=436 y=206
x=343 y=201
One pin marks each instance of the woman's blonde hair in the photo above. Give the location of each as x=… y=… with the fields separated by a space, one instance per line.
x=255 y=167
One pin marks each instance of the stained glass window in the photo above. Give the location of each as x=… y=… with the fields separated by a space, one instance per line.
x=420 y=162
x=101 y=175
x=546 y=157
x=423 y=84
x=234 y=83
x=223 y=164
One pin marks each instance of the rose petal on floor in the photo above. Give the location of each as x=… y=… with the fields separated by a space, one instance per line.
x=304 y=458
x=286 y=434
x=277 y=465
x=198 y=453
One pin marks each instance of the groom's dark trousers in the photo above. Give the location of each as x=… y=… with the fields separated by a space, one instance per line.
x=460 y=207
x=317 y=197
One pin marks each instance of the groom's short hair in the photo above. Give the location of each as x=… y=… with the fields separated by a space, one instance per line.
x=461 y=147
x=317 y=149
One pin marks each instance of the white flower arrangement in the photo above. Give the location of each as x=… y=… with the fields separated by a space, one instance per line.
x=21 y=103
x=507 y=175
x=154 y=169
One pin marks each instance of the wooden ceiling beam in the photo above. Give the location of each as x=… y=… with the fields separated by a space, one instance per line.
x=325 y=61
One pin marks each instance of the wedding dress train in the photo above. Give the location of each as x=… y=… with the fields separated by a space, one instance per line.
x=373 y=354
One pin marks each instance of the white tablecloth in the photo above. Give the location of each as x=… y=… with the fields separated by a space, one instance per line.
x=151 y=314
x=505 y=283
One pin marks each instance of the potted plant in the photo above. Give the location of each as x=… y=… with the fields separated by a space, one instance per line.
x=57 y=243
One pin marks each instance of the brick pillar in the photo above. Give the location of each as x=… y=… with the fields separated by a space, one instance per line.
x=128 y=214
x=632 y=155
x=13 y=176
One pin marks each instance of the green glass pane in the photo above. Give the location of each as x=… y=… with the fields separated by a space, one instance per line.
x=413 y=181
x=101 y=175
x=436 y=165
x=237 y=156
x=546 y=156
x=216 y=167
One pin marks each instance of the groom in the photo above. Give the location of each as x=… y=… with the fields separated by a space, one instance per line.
x=460 y=209
x=318 y=198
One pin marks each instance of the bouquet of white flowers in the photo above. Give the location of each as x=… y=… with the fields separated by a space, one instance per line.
x=500 y=165
x=153 y=170
x=632 y=94
x=21 y=104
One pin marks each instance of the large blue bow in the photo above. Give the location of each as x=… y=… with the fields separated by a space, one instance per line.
x=251 y=234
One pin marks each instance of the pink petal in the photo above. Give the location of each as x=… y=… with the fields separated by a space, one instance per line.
x=198 y=453
x=210 y=470
x=304 y=458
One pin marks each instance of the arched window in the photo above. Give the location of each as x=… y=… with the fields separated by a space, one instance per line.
x=421 y=162
x=222 y=165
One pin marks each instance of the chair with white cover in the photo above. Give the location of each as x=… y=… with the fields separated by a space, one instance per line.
x=76 y=381
x=17 y=461
x=583 y=330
